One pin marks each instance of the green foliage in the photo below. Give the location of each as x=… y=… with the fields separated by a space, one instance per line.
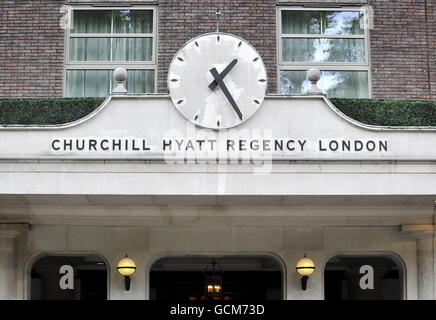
x=46 y=111
x=383 y=112
x=389 y=112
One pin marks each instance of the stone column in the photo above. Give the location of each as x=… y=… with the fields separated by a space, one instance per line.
x=9 y=254
x=426 y=276
x=426 y=270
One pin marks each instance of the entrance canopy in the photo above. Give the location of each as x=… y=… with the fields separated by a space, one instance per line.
x=298 y=152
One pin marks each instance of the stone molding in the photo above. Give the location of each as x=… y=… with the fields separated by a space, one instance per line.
x=12 y=230
x=419 y=231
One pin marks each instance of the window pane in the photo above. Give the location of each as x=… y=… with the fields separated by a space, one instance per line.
x=321 y=22
x=90 y=49
x=124 y=21
x=88 y=83
x=342 y=84
x=92 y=21
x=293 y=82
x=301 y=22
x=132 y=49
x=99 y=49
x=133 y=21
x=99 y=83
x=323 y=50
x=75 y=83
x=139 y=81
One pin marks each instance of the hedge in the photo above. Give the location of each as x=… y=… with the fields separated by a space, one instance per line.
x=384 y=112
x=46 y=110
x=389 y=112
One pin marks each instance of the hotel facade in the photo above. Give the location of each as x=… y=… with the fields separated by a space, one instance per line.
x=217 y=162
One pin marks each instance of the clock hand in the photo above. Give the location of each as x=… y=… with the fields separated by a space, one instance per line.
x=214 y=83
x=226 y=92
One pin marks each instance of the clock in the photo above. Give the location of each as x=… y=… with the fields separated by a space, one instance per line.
x=217 y=80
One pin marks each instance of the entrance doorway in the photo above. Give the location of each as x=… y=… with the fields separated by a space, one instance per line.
x=363 y=278
x=243 y=278
x=69 y=278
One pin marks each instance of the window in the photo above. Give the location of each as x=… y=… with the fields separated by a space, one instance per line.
x=101 y=40
x=333 y=40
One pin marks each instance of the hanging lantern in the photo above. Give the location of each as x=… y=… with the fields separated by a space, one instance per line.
x=213 y=280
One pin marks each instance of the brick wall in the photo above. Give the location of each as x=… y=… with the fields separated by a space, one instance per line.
x=253 y=20
x=398 y=49
x=31 y=48
x=431 y=13
x=32 y=43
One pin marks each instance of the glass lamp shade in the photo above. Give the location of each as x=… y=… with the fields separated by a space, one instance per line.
x=305 y=266
x=126 y=267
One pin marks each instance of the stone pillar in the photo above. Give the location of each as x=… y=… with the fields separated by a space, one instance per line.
x=426 y=271
x=426 y=276
x=9 y=255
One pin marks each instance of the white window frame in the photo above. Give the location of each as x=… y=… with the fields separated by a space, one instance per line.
x=334 y=66
x=111 y=65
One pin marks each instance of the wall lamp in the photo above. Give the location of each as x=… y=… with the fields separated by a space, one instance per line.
x=305 y=267
x=126 y=267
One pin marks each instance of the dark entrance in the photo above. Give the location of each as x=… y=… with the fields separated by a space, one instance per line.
x=363 y=278
x=89 y=278
x=244 y=278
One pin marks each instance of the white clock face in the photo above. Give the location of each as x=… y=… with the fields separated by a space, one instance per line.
x=217 y=80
